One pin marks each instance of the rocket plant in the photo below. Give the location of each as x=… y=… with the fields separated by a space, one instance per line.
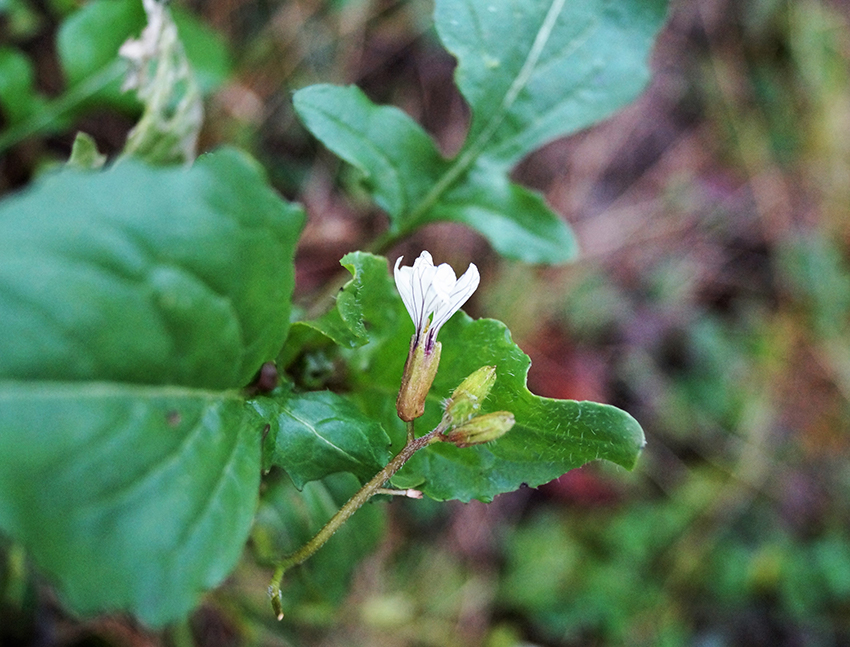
x=145 y=302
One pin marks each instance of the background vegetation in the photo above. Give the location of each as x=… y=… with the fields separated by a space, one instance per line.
x=711 y=301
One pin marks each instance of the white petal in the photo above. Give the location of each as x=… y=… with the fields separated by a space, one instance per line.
x=444 y=281
x=462 y=290
x=433 y=294
x=404 y=285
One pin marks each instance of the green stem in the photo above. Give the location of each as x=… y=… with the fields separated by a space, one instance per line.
x=349 y=508
x=63 y=105
x=411 y=434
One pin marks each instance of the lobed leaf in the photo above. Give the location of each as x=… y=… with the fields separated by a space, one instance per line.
x=531 y=72
x=550 y=436
x=133 y=498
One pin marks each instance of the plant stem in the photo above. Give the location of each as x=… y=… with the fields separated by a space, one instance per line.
x=349 y=508
x=62 y=105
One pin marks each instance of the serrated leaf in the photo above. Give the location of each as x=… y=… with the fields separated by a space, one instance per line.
x=531 y=72
x=146 y=275
x=550 y=436
x=287 y=518
x=343 y=324
x=315 y=434
x=132 y=498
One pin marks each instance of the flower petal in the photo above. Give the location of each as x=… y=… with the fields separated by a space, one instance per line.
x=403 y=282
x=433 y=294
x=460 y=293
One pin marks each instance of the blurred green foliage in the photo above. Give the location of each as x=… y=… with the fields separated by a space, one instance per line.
x=712 y=302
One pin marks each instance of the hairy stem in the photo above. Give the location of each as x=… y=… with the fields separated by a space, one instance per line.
x=373 y=487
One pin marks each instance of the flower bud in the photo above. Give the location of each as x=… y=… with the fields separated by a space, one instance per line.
x=419 y=371
x=482 y=429
x=467 y=398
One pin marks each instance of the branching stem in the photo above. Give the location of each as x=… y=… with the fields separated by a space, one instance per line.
x=351 y=506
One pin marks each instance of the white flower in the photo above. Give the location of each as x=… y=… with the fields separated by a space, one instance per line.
x=432 y=294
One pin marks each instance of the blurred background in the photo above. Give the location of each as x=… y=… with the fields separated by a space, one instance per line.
x=711 y=301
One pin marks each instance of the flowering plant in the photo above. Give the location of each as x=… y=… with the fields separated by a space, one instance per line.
x=156 y=392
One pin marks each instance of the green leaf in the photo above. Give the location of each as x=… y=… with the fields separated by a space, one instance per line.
x=398 y=159
x=288 y=518
x=206 y=49
x=515 y=220
x=343 y=324
x=18 y=98
x=133 y=498
x=88 y=41
x=315 y=434
x=84 y=154
x=537 y=70
x=531 y=72
x=550 y=436
x=147 y=275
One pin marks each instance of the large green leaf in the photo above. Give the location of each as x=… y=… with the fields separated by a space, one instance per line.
x=133 y=498
x=531 y=72
x=535 y=70
x=318 y=433
x=147 y=275
x=550 y=436
x=126 y=297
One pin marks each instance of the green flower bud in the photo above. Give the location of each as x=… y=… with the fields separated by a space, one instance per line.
x=419 y=371
x=468 y=397
x=482 y=429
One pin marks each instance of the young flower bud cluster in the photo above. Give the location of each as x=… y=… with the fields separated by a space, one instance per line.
x=468 y=397
x=464 y=426
x=482 y=429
